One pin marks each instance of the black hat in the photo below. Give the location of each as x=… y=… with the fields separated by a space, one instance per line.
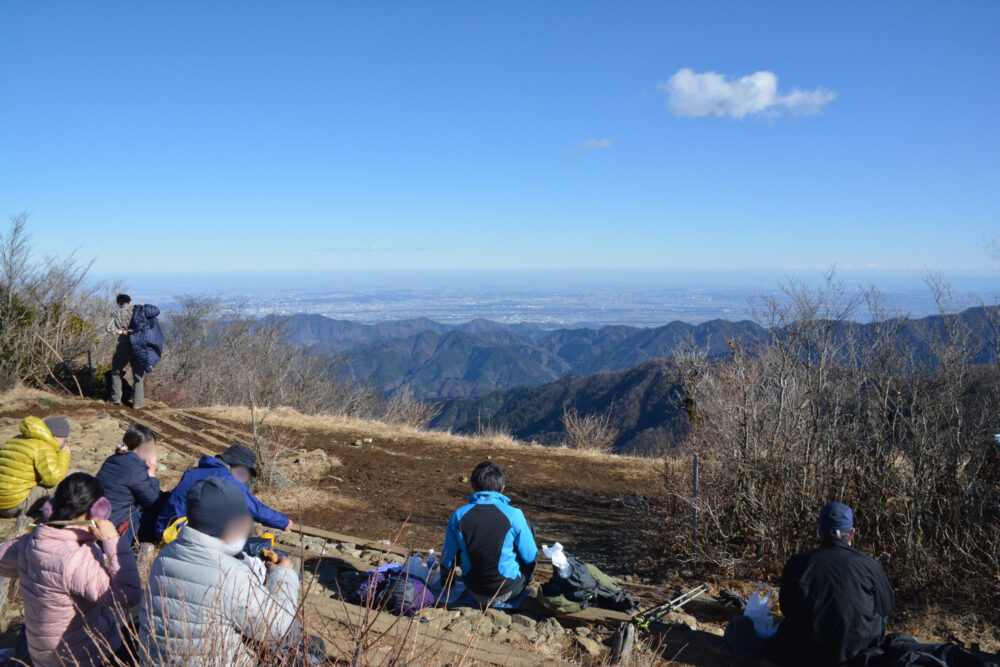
x=212 y=503
x=58 y=426
x=240 y=455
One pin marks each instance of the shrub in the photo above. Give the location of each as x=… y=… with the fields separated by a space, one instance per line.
x=901 y=431
x=592 y=432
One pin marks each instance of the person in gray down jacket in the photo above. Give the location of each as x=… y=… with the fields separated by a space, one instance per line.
x=204 y=604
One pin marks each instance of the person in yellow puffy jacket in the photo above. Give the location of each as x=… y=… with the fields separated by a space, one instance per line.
x=32 y=465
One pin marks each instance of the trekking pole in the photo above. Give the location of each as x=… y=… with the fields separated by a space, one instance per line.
x=623 y=641
x=655 y=613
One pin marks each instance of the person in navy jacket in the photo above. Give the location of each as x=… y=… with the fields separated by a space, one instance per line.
x=130 y=485
x=237 y=464
x=490 y=541
x=139 y=346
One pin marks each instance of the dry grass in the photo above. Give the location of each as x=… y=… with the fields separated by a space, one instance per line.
x=299 y=497
x=591 y=432
x=20 y=396
x=332 y=424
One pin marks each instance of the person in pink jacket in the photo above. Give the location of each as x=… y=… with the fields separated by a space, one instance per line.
x=69 y=592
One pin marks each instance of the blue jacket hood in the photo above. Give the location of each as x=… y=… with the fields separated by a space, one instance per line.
x=488 y=497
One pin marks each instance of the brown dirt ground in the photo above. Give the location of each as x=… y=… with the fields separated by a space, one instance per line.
x=404 y=478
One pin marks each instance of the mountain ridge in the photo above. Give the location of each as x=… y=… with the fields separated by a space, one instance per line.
x=476 y=358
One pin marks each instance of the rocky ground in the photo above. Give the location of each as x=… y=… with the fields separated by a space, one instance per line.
x=394 y=488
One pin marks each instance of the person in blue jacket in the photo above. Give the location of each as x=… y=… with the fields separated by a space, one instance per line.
x=237 y=464
x=130 y=485
x=490 y=541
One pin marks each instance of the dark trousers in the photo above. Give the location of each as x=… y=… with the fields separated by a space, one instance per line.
x=122 y=358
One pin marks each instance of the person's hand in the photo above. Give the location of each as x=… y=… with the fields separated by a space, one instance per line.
x=289 y=526
x=104 y=529
x=284 y=561
x=64 y=445
x=151 y=461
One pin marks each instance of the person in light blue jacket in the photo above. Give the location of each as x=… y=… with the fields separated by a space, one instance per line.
x=237 y=464
x=490 y=541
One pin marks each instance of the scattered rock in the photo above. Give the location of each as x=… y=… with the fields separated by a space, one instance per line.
x=581 y=631
x=485 y=627
x=550 y=628
x=588 y=645
x=528 y=633
x=680 y=618
x=522 y=621
x=160 y=467
x=500 y=618
x=433 y=613
x=461 y=627
x=103 y=414
x=367 y=441
x=356 y=443
x=716 y=630
x=463 y=479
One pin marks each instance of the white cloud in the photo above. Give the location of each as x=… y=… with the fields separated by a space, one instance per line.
x=594 y=144
x=590 y=145
x=694 y=94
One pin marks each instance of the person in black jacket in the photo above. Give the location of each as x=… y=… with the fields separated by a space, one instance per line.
x=130 y=485
x=835 y=599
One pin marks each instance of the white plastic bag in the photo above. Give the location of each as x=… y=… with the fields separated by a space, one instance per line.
x=558 y=558
x=758 y=610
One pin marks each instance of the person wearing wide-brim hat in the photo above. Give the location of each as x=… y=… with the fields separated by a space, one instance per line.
x=237 y=464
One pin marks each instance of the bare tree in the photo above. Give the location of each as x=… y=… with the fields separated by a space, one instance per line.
x=49 y=313
x=894 y=418
x=592 y=432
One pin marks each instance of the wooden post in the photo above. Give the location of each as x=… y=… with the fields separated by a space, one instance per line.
x=694 y=503
x=90 y=366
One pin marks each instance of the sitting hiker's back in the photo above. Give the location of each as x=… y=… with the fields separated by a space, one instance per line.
x=32 y=464
x=490 y=540
x=835 y=599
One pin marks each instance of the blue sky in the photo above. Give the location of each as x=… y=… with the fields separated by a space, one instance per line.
x=176 y=136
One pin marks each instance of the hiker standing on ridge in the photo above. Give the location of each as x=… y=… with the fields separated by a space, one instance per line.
x=490 y=540
x=139 y=346
x=836 y=600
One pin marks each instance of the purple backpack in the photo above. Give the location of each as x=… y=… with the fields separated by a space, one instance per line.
x=402 y=592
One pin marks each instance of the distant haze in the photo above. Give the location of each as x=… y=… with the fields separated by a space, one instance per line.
x=549 y=298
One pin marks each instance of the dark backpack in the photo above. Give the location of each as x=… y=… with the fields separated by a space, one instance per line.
x=899 y=650
x=580 y=586
x=401 y=592
x=583 y=587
